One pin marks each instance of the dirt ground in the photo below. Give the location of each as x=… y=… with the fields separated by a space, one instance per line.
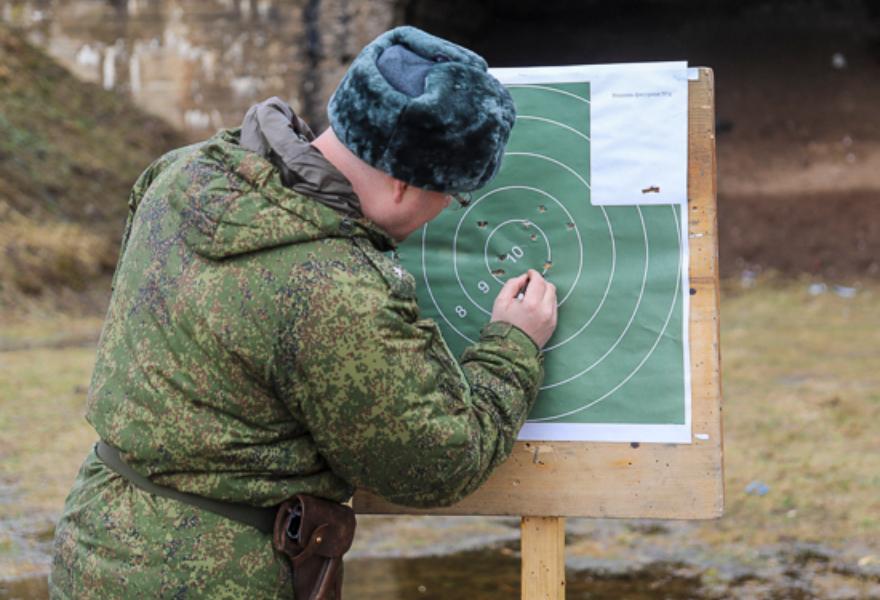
x=799 y=157
x=836 y=236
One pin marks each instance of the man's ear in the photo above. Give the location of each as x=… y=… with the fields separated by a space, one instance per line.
x=398 y=189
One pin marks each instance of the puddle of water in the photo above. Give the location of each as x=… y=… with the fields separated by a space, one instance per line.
x=483 y=575
x=494 y=574
x=25 y=552
x=396 y=558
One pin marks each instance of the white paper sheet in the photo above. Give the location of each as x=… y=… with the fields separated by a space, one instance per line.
x=638 y=156
x=639 y=127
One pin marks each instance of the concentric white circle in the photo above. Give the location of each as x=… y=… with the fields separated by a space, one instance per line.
x=547 y=88
x=571 y=219
x=554 y=123
x=660 y=334
x=461 y=220
x=632 y=316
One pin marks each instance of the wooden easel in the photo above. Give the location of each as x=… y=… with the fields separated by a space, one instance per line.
x=543 y=538
x=597 y=479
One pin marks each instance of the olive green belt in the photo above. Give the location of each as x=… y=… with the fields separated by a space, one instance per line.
x=261 y=518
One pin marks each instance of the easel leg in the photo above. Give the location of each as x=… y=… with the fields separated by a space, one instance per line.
x=543 y=558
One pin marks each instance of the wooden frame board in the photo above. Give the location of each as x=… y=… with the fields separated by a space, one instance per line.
x=660 y=481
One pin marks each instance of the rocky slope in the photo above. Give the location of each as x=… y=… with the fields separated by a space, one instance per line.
x=69 y=153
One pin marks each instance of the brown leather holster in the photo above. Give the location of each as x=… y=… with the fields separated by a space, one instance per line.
x=314 y=534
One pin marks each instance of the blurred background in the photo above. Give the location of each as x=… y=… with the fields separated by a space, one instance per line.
x=91 y=91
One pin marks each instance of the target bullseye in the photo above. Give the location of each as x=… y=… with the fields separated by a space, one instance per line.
x=536 y=218
x=515 y=251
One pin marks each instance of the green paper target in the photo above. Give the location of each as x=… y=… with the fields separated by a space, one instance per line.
x=617 y=354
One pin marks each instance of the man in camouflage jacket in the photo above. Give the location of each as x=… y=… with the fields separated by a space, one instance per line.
x=262 y=342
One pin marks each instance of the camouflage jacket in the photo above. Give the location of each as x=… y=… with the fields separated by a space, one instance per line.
x=260 y=344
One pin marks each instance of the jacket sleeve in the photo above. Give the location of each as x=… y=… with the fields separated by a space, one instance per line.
x=393 y=412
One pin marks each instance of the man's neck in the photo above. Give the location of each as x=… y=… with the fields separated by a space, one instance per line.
x=373 y=187
x=347 y=163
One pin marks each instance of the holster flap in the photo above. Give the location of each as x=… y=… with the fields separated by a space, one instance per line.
x=325 y=528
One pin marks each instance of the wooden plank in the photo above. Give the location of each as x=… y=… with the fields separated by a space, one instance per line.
x=543 y=558
x=591 y=479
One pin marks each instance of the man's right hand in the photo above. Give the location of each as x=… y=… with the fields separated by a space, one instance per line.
x=529 y=302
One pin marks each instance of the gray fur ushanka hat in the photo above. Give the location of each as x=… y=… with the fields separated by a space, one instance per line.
x=423 y=110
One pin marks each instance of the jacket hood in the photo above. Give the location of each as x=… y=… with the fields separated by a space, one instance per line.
x=232 y=201
x=274 y=131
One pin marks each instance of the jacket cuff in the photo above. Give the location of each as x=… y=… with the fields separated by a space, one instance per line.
x=513 y=334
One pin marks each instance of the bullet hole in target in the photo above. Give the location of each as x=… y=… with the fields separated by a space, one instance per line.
x=570 y=225
x=502 y=256
x=482 y=224
x=547 y=265
x=534 y=237
x=542 y=208
x=498 y=272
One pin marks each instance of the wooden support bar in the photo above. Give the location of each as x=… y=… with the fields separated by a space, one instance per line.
x=543 y=558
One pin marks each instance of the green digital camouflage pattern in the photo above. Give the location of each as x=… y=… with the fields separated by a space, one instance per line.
x=258 y=345
x=115 y=541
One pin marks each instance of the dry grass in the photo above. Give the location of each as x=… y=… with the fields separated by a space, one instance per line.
x=42 y=255
x=801 y=402
x=42 y=401
x=69 y=149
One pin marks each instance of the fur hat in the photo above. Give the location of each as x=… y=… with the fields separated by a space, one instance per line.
x=423 y=110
